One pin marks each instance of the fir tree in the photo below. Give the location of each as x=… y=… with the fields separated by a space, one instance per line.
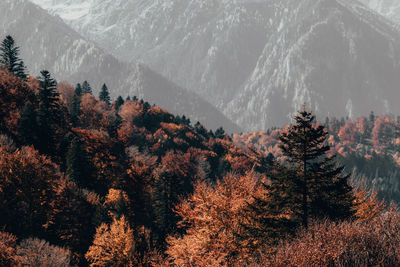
x=324 y=190
x=220 y=133
x=118 y=103
x=105 y=95
x=49 y=111
x=78 y=90
x=77 y=164
x=75 y=108
x=9 y=57
x=27 y=124
x=86 y=88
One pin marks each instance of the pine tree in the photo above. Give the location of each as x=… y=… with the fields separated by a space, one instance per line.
x=48 y=113
x=273 y=215
x=27 y=124
x=75 y=108
x=9 y=57
x=86 y=88
x=105 y=95
x=220 y=133
x=118 y=103
x=78 y=164
x=324 y=190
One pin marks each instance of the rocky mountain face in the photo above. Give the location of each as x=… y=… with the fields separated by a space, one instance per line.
x=48 y=43
x=258 y=61
x=388 y=8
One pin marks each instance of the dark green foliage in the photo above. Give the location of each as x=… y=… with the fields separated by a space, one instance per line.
x=9 y=57
x=323 y=189
x=75 y=108
x=118 y=103
x=78 y=165
x=86 y=88
x=272 y=214
x=220 y=133
x=105 y=95
x=49 y=112
x=78 y=90
x=182 y=120
x=28 y=125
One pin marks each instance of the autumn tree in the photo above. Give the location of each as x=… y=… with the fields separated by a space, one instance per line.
x=70 y=222
x=8 y=243
x=9 y=57
x=113 y=245
x=37 y=252
x=173 y=180
x=323 y=189
x=26 y=190
x=213 y=218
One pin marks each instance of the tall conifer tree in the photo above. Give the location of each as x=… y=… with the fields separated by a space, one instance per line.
x=9 y=57
x=105 y=95
x=49 y=111
x=86 y=88
x=320 y=182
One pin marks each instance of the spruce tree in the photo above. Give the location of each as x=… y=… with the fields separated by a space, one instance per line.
x=318 y=181
x=27 y=124
x=118 y=103
x=78 y=164
x=86 y=88
x=48 y=113
x=9 y=57
x=105 y=95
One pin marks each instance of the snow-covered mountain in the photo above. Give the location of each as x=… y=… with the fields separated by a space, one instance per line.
x=257 y=60
x=388 y=8
x=48 y=43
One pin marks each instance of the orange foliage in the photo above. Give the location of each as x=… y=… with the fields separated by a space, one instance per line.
x=26 y=187
x=14 y=93
x=112 y=245
x=67 y=92
x=342 y=244
x=213 y=217
x=94 y=113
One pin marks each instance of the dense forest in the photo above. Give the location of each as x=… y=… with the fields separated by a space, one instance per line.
x=369 y=148
x=88 y=180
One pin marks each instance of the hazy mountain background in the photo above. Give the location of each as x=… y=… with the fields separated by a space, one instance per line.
x=48 y=43
x=388 y=8
x=257 y=61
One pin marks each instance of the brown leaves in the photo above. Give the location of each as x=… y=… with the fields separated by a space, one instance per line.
x=113 y=245
x=213 y=217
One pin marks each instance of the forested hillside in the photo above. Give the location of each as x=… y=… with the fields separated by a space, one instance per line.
x=95 y=181
x=369 y=147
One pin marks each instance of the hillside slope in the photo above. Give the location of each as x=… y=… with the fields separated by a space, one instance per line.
x=48 y=43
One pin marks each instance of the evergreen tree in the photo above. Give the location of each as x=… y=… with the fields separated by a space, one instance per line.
x=220 y=133
x=105 y=95
x=78 y=90
x=9 y=57
x=75 y=108
x=118 y=103
x=86 y=88
x=77 y=164
x=323 y=189
x=27 y=124
x=49 y=111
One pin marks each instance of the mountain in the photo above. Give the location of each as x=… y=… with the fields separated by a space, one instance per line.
x=48 y=43
x=388 y=8
x=257 y=61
